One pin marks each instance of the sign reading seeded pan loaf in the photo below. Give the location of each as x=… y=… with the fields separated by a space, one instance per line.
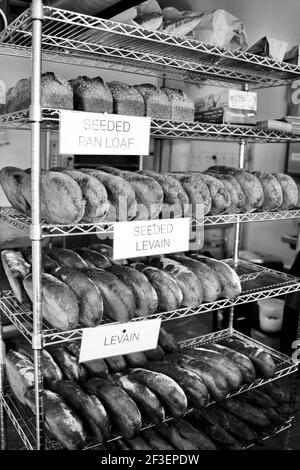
x=103 y=134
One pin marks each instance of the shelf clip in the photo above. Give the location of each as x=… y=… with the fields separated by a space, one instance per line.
x=37 y=10
x=37 y=341
x=35 y=232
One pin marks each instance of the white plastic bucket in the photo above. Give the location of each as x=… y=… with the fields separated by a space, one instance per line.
x=271 y=315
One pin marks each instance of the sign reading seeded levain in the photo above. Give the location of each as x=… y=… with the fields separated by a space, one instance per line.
x=150 y=237
x=103 y=134
x=121 y=338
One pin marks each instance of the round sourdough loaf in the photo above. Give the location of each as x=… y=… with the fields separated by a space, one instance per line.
x=237 y=197
x=197 y=191
x=220 y=197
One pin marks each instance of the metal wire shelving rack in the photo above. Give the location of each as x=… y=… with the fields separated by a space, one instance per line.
x=23 y=420
x=50 y=34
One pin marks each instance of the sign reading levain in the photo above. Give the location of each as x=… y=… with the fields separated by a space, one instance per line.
x=103 y=134
x=121 y=338
x=150 y=237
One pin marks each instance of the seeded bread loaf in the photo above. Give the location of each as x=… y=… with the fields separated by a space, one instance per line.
x=126 y=99
x=56 y=93
x=91 y=94
x=197 y=191
x=220 y=197
x=289 y=191
x=157 y=104
x=93 y=192
x=13 y=182
x=174 y=194
x=182 y=107
x=121 y=196
x=273 y=197
x=61 y=198
x=237 y=197
x=148 y=193
x=59 y=303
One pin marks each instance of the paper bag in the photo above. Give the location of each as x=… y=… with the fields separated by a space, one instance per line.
x=269 y=47
x=146 y=8
x=221 y=29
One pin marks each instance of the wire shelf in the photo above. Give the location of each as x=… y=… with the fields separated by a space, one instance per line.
x=80 y=35
x=24 y=422
x=257 y=283
x=22 y=222
x=164 y=129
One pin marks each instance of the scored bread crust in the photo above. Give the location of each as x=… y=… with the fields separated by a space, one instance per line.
x=273 y=196
x=91 y=94
x=118 y=190
x=13 y=182
x=289 y=191
x=182 y=106
x=126 y=99
x=157 y=104
x=93 y=192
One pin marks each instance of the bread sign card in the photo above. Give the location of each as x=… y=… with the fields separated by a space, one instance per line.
x=85 y=133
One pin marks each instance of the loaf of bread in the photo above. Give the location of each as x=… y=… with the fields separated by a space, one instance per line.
x=88 y=295
x=16 y=269
x=93 y=192
x=49 y=265
x=273 y=197
x=66 y=258
x=94 y=259
x=174 y=194
x=61 y=422
x=51 y=371
x=181 y=26
x=61 y=198
x=126 y=99
x=220 y=198
x=20 y=374
x=197 y=191
x=237 y=197
x=230 y=281
x=91 y=94
x=289 y=191
x=249 y=183
x=118 y=299
x=13 y=182
x=151 y=21
x=55 y=93
x=182 y=106
x=68 y=364
x=59 y=303
x=188 y=282
x=121 y=195
x=211 y=285
x=148 y=193
x=168 y=292
x=145 y=295
x=157 y=104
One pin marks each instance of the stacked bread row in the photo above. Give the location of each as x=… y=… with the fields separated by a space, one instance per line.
x=100 y=399
x=109 y=194
x=93 y=95
x=85 y=286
